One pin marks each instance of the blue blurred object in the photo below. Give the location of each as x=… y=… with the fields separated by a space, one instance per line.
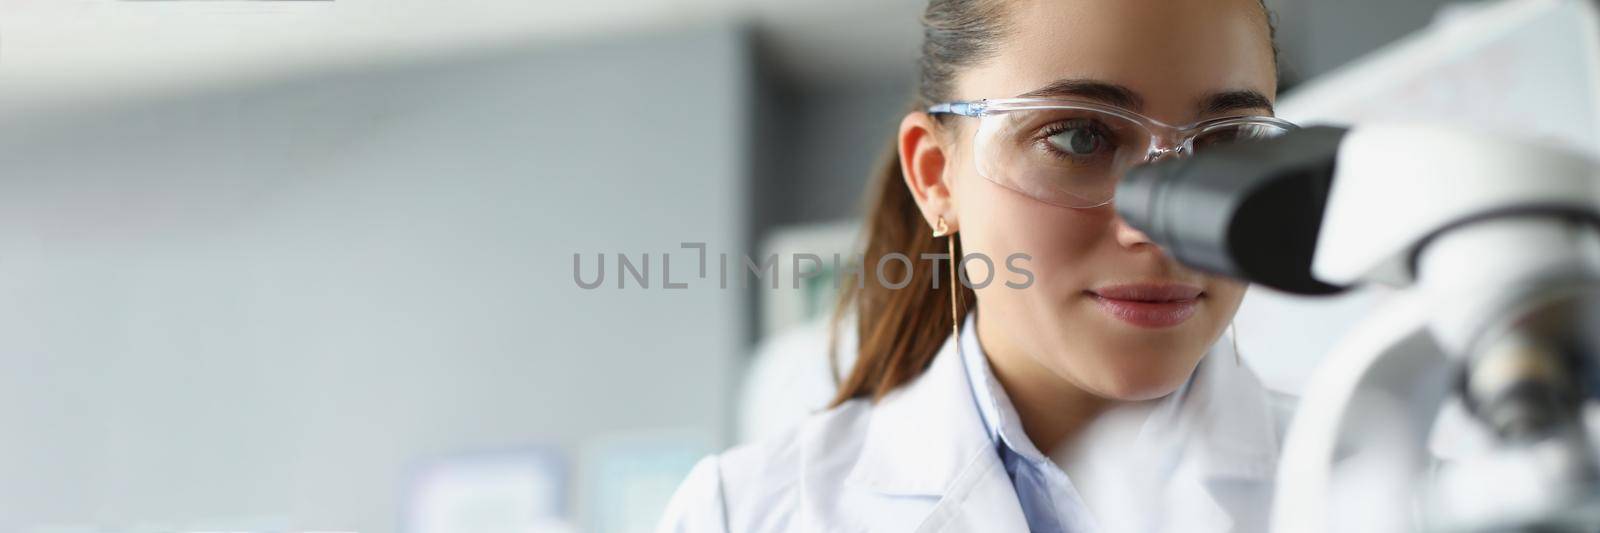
x=631 y=477
x=514 y=491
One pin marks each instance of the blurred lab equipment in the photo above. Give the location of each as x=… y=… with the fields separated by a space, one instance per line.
x=1489 y=236
x=509 y=491
x=1496 y=246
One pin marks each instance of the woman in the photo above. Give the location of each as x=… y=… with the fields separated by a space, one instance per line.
x=1097 y=396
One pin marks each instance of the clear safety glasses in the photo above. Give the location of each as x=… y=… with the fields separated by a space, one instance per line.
x=1071 y=153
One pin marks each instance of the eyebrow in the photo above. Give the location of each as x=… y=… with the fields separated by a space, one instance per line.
x=1235 y=100
x=1109 y=93
x=1120 y=96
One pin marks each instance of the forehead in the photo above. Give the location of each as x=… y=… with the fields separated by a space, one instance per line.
x=1171 y=53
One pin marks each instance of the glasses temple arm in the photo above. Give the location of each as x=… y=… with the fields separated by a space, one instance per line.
x=966 y=109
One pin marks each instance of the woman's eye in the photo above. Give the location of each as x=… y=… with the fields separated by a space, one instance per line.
x=1077 y=141
x=1224 y=136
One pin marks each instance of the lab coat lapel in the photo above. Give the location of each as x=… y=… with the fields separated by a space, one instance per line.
x=981 y=499
x=926 y=440
x=1223 y=438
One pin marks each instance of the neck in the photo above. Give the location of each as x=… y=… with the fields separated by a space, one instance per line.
x=1053 y=410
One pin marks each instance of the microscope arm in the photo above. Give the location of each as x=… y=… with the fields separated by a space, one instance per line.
x=1380 y=387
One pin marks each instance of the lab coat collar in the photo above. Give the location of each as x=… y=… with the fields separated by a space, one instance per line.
x=924 y=435
x=1223 y=438
x=999 y=416
x=1226 y=417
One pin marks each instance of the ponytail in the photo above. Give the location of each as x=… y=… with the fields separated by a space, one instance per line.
x=901 y=329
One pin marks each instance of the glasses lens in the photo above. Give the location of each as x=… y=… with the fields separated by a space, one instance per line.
x=1236 y=132
x=1066 y=157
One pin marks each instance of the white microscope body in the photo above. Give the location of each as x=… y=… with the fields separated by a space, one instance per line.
x=1495 y=248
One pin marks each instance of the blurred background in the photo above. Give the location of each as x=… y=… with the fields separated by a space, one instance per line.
x=318 y=265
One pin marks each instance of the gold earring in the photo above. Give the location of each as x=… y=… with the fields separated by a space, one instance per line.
x=942 y=230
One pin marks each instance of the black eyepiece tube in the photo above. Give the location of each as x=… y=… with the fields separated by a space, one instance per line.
x=1250 y=210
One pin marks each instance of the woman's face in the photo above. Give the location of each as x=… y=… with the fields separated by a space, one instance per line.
x=1173 y=56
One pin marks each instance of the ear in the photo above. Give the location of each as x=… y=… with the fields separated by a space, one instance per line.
x=924 y=163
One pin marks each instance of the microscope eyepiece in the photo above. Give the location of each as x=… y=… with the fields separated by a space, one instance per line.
x=1249 y=210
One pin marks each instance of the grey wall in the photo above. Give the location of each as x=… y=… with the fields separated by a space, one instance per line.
x=268 y=304
x=818 y=143
x=1335 y=32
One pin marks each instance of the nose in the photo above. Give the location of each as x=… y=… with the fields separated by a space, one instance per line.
x=1129 y=236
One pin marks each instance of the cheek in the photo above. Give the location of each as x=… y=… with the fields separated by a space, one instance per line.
x=999 y=222
x=1227 y=294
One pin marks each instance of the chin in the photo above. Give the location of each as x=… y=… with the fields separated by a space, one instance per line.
x=1127 y=382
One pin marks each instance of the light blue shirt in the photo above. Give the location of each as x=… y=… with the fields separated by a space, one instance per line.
x=1050 y=501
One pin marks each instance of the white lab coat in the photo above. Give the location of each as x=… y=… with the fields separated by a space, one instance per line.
x=920 y=460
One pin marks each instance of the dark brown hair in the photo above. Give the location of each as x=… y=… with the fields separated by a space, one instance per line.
x=901 y=329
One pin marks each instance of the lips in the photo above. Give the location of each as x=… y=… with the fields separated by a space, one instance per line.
x=1148 y=305
x=1149 y=292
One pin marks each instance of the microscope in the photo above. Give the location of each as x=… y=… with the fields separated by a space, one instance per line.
x=1492 y=248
